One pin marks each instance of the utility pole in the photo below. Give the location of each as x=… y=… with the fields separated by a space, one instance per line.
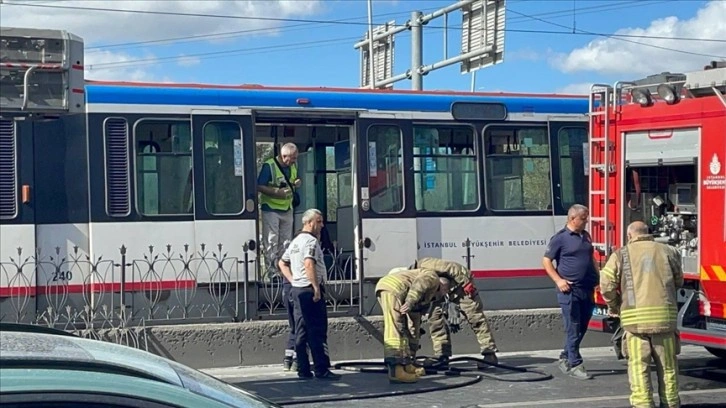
x=416 y=51
x=482 y=43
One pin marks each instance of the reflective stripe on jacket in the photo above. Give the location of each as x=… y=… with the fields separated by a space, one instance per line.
x=639 y=282
x=416 y=287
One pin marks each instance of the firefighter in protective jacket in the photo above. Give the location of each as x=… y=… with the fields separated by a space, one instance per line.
x=639 y=283
x=463 y=292
x=403 y=297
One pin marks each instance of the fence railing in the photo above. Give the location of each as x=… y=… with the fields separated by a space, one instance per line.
x=115 y=298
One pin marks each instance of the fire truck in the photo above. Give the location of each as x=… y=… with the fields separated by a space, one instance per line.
x=657 y=152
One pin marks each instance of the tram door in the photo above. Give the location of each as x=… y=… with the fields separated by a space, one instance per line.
x=222 y=140
x=387 y=222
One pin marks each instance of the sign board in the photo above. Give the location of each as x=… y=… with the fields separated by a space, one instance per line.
x=482 y=26
x=382 y=56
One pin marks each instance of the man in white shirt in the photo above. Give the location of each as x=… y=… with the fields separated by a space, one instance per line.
x=303 y=266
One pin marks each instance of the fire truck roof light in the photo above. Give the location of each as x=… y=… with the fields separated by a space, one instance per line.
x=642 y=96
x=668 y=94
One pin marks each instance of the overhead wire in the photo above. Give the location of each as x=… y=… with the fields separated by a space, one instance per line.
x=294 y=27
x=315 y=21
x=231 y=34
x=308 y=44
x=617 y=37
x=224 y=53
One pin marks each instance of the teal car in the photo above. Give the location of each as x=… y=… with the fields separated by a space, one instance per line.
x=45 y=368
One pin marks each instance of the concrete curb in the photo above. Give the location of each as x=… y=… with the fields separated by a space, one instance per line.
x=349 y=338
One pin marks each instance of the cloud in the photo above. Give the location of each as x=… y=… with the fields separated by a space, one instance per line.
x=579 y=88
x=114 y=66
x=185 y=61
x=613 y=56
x=97 y=27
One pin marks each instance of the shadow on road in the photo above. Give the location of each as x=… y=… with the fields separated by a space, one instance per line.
x=291 y=391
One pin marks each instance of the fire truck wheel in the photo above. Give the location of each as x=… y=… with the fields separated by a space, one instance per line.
x=720 y=353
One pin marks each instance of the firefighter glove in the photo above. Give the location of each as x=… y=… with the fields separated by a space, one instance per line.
x=453 y=316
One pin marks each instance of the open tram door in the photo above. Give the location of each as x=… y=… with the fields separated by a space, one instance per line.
x=386 y=231
x=221 y=140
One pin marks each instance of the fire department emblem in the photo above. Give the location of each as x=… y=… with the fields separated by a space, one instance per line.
x=715 y=165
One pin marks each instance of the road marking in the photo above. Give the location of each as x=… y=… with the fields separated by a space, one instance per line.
x=591 y=399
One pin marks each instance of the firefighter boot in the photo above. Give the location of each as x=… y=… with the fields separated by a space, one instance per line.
x=398 y=374
x=418 y=371
x=489 y=358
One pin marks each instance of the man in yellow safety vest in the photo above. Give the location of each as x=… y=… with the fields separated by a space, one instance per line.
x=276 y=184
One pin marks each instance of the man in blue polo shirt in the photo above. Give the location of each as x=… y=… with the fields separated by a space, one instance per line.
x=576 y=277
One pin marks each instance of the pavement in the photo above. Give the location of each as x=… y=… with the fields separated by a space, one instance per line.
x=702 y=384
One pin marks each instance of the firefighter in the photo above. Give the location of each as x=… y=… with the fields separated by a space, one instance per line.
x=639 y=284
x=464 y=293
x=403 y=297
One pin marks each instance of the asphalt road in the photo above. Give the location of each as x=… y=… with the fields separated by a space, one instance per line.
x=702 y=384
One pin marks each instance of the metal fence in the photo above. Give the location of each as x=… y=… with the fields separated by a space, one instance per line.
x=114 y=298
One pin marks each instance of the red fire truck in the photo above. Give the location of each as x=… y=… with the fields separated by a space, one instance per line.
x=657 y=153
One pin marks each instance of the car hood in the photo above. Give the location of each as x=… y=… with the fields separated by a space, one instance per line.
x=17 y=346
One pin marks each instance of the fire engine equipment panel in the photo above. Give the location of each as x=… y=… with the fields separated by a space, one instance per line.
x=665 y=198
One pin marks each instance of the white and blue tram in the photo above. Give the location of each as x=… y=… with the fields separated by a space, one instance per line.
x=140 y=199
x=170 y=170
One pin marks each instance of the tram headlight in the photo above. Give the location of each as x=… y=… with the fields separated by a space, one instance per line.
x=668 y=94
x=642 y=97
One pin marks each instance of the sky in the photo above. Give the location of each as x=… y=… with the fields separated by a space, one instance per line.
x=555 y=46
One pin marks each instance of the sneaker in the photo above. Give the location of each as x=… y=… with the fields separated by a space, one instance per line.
x=563 y=366
x=579 y=373
x=328 y=375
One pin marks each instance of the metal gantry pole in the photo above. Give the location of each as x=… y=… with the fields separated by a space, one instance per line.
x=416 y=51
x=372 y=64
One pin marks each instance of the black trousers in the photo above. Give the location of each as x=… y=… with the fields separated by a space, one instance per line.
x=576 y=309
x=287 y=301
x=311 y=330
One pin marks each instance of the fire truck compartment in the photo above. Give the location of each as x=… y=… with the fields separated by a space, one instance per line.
x=665 y=198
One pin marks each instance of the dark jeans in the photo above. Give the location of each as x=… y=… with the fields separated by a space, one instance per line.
x=576 y=309
x=289 y=305
x=311 y=330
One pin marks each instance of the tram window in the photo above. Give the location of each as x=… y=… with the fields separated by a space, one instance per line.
x=223 y=180
x=444 y=167
x=164 y=167
x=385 y=168
x=518 y=168
x=572 y=166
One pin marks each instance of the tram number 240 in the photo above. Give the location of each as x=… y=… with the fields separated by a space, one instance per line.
x=59 y=276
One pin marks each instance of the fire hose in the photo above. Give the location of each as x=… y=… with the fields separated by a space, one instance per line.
x=477 y=375
x=432 y=366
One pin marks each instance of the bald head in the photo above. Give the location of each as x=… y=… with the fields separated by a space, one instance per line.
x=637 y=229
x=444 y=286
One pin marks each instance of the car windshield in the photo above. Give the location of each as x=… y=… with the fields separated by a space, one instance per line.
x=208 y=386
